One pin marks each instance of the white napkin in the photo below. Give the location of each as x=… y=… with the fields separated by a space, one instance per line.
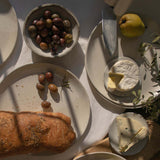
x=120 y=6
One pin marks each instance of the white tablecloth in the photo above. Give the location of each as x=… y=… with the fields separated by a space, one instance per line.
x=88 y=13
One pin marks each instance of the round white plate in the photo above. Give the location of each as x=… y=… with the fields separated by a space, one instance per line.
x=18 y=92
x=97 y=58
x=100 y=156
x=8 y=30
x=114 y=138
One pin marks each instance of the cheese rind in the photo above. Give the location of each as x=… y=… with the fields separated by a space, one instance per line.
x=130 y=131
x=113 y=81
x=130 y=72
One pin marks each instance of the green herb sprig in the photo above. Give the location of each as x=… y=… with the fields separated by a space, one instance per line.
x=65 y=82
x=151 y=105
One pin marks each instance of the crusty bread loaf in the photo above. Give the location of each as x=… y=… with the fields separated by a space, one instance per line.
x=30 y=132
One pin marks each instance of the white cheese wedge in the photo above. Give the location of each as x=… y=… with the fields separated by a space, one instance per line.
x=113 y=80
x=130 y=72
x=130 y=132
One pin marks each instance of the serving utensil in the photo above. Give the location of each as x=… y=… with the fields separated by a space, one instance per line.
x=109 y=29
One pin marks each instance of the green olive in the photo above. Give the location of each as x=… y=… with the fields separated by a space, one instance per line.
x=32 y=30
x=68 y=38
x=48 y=23
x=55 y=15
x=67 y=23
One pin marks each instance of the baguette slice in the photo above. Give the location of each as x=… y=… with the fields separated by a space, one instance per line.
x=32 y=132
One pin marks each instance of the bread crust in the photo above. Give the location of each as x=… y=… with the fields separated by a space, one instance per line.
x=32 y=132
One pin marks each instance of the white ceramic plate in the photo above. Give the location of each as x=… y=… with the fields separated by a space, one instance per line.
x=97 y=58
x=100 y=156
x=18 y=92
x=114 y=138
x=8 y=30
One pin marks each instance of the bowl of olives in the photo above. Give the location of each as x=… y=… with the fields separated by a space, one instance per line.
x=50 y=30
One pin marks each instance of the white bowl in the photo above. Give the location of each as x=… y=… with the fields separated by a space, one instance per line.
x=65 y=14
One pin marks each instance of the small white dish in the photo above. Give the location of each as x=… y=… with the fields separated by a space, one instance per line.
x=114 y=136
x=64 y=13
x=100 y=156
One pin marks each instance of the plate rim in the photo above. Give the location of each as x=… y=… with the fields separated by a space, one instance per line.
x=16 y=37
x=99 y=153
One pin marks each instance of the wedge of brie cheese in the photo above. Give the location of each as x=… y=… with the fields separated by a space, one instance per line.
x=113 y=80
x=130 y=132
x=123 y=76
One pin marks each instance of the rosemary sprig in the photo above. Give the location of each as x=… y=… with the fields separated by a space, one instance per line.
x=137 y=96
x=153 y=65
x=152 y=105
x=65 y=82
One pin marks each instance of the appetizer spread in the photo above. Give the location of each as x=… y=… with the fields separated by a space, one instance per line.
x=123 y=76
x=130 y=132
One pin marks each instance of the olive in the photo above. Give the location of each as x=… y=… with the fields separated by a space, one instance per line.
x=47 y=40
x=50 y=33
x=33 y=35
x=55 y=29
x=40 y=24
x=62 y=42
x=68 y=38
x=49 y=76
x=55 y=16
x=43 y=46
x=54 y=49
x=38 y=39
x=47 y=14
x=40 y=86
x=34 y=22
x=67 y=23
x=45 y=104
x=44 y=32
x=52 y=88
x=55 y=38
x=41 y=78
x=58 y=22
x=63 y=34
x=48 y=23
x=32 y=30
x=42 y=19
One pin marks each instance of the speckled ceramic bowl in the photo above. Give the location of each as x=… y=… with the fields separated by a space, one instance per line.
x=64 y=13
